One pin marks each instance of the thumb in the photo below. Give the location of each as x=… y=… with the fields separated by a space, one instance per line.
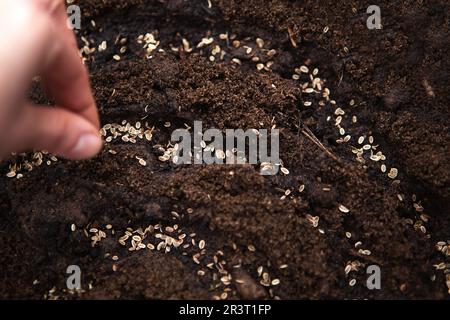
x=56 y=130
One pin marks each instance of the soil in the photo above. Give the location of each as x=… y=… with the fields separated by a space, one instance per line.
x=394 y=80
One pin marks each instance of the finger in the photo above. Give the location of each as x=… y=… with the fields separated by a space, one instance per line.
x=65 y=76
x=56 y=130
x=47 y=51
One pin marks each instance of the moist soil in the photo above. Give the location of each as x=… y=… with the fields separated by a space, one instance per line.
x=394 y=80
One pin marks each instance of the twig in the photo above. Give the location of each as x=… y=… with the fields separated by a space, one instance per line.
x=310 y=135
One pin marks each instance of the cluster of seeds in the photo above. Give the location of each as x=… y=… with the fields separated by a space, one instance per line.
x=86 y=51
x=444 y=248
x=365 y=147
x=221 y=277
x=226 y=47
x=25 y=162
x=314 y=220
x=127 y=132
x=265 y=279
x=352 y=266
x=165 y=238
x=149 y=43
x=96 y=235
x=167 y=152
x=121 y=43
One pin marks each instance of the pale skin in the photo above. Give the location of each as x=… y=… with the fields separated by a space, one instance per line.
x=35 y=41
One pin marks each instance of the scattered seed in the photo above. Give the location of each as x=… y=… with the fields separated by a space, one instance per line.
x=11 y=174
x=260 y=42
x=304 y=69
x=393 y=173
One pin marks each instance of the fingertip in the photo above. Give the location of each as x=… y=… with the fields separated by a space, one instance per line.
x=87 y=146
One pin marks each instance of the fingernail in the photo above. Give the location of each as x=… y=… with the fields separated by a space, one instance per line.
x=88 y=145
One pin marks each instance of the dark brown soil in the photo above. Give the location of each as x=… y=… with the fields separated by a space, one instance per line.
x=389 y=73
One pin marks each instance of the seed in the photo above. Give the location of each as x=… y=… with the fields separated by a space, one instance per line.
x=348 y=235
x=383 y=168
x=220 y=154
x=195 y=258
x=361 y=140
x=116 y=57
x=393 y=173
x=348 y=268
x=304 y=69
x=344 y=209
x=260 y=66
x=115 y=258
x=11 y=174
x=161 y=245
x=169 y=229
x=285 y=171
x=237 y=61
x=73 y=227
x=102 y=46
x=201 y=244
x=251 y=248
x=271 y=52
x=142 y=162
x=307 y=103
x=201 y=272
x=275 y=282
x=259 y=270
x=260 y=42
x=352 y=282
x=339 y=112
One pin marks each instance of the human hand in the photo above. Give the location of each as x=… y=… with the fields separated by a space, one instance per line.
x=35 y=41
